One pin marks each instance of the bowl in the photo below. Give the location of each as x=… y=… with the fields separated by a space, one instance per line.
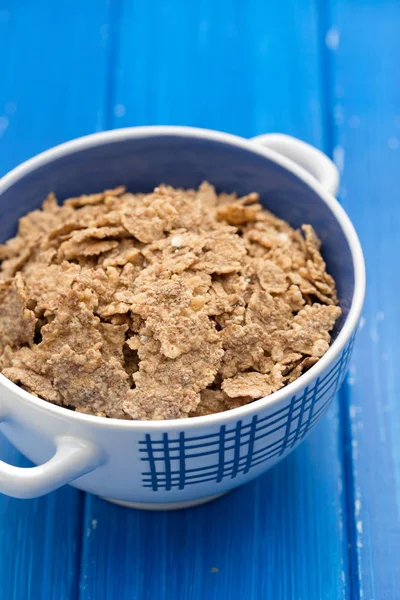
x=180 y=463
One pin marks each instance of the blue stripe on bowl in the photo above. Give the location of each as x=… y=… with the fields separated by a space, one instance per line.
x=235 y=450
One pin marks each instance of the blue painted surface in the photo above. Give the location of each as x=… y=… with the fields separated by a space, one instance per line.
x=324 y=524
x=47 y=95
x=367 y=136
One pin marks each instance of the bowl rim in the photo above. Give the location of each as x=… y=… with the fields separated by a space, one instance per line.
x=117 y=135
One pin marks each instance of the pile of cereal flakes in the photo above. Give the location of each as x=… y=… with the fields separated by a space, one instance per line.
x=161 y=306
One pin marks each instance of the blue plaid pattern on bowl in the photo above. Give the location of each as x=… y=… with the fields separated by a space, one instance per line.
x=174 y=461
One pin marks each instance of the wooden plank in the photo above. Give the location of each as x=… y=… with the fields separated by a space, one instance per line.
x=52 y=88
x=245 y=69
x=365 y=53
x=52 y=83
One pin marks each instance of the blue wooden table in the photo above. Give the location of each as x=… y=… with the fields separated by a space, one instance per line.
x=324 y=524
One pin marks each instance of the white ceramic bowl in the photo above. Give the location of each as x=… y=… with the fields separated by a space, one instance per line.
x=172 y=464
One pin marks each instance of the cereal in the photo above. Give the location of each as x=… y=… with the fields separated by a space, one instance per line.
x=219 y=301
x=269 y=312
x=149 y=218
x=294 y=298
x=90 y=199
x=113 y=340
x=214 y=401
x=131 y=361
x=125 y=252
x=238 y=213
x=177 y=253
x=206 y=196
x=103 y=284
x=222 y=252
x=170 y=388
x=303 y=366
x=33 y=383
x=74 y=325
x=14 y=255
x=173 y=304
x=242 y=347
x=271 y=276
x=73 y=249
x=308 y=332
x=89 y=383
x=91 y=241
x=167 y=308
x=47 y=285
x=6 y=353
x=253 y=385
x=17 y=322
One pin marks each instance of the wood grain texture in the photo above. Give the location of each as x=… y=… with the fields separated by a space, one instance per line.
x=39 y=542
x=245 y=68
x=365 y=49
x=240 y=67
x=52 y=88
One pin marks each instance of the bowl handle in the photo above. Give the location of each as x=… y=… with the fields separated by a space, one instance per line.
x=73 y=457
x=308 y=157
